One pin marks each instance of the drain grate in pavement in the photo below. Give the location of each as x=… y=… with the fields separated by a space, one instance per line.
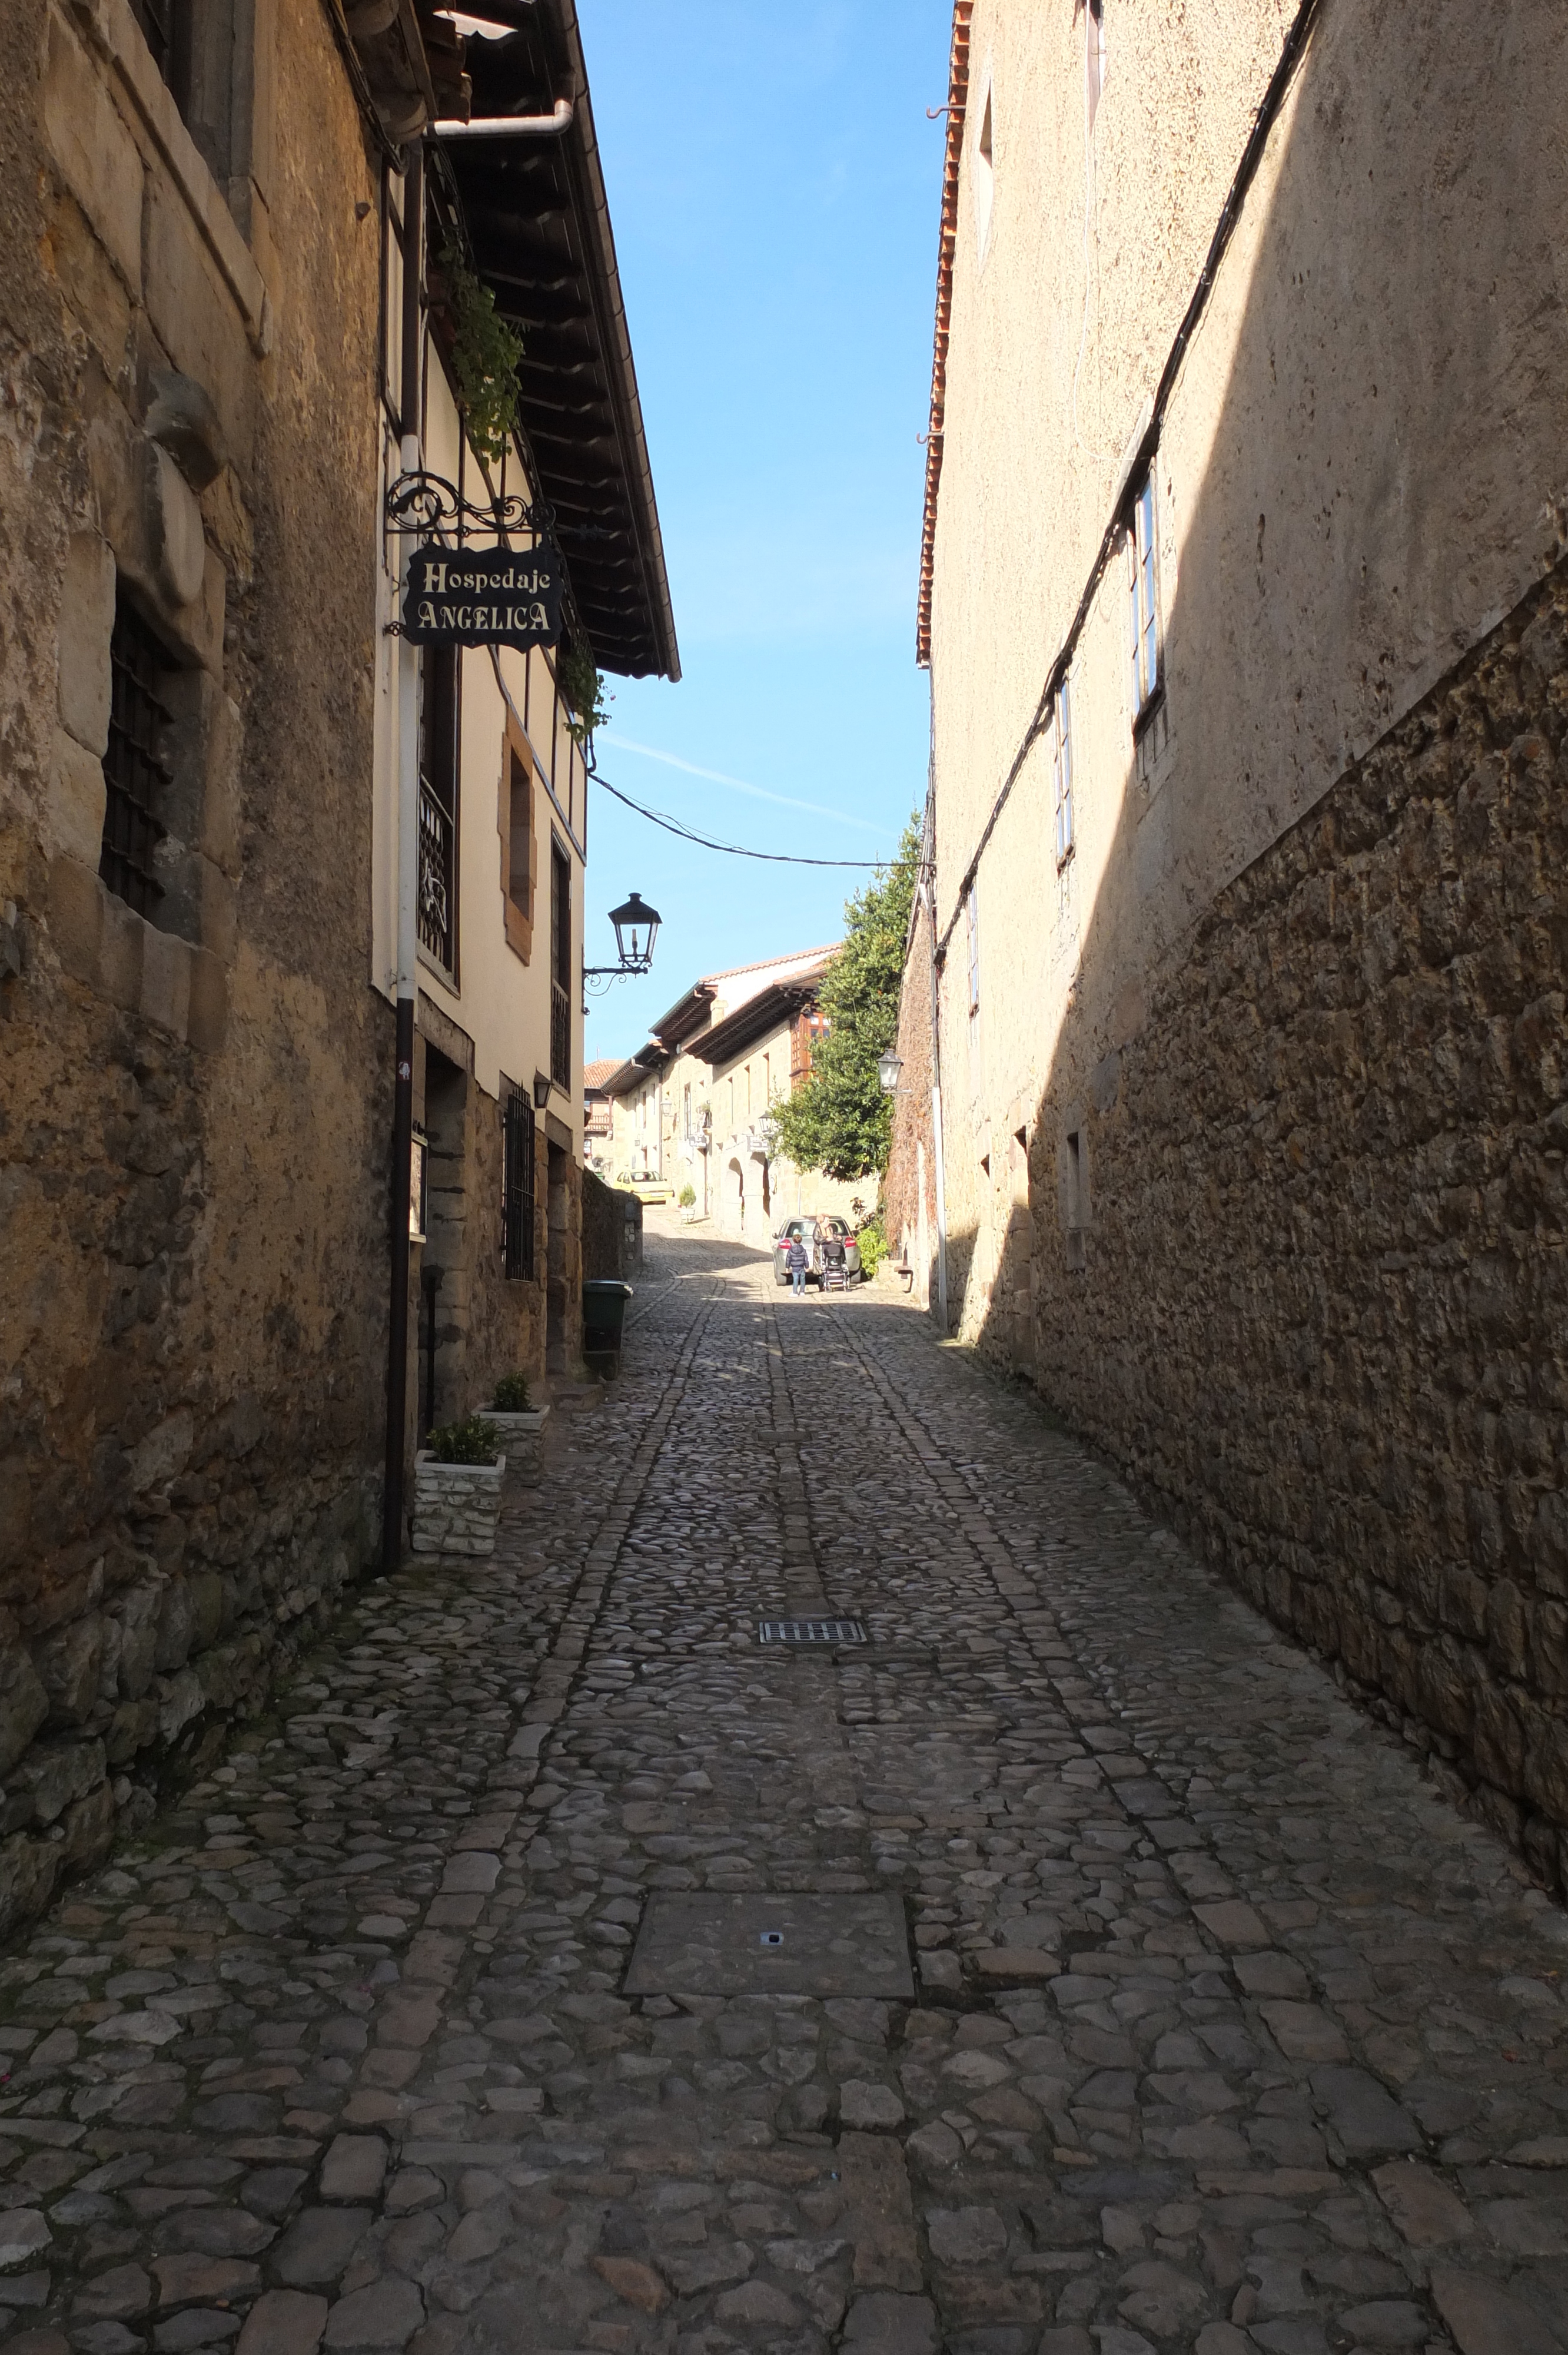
x=809 y=1631
x=754 y=1944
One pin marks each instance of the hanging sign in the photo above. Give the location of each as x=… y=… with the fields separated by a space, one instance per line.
x=484 y=596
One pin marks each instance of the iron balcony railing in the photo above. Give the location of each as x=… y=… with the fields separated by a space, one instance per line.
x=560 y=1037
x=437 y=896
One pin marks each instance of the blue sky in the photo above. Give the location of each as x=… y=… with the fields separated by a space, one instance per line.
x=774 y=185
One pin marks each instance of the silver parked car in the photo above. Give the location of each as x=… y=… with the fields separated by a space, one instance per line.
x=813 y=1231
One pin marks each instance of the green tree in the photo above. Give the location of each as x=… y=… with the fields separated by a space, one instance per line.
x=839 y=1119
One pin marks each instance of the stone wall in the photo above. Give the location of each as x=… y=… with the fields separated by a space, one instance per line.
x=909 y=1189
x=194 y=1111
x=1313 y=1297
x=487 y=1323
x=613 y=1230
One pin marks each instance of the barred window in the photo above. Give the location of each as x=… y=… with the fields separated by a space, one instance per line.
x=517 y=1184
x=440 y=706
x=135 y=773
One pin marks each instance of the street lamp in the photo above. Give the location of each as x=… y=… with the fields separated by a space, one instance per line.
x=636 y=930
x=888 y=1067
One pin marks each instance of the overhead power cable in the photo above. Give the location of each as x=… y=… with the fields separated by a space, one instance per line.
x=731 y=850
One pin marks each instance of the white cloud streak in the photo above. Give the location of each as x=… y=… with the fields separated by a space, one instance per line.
x=740 y=785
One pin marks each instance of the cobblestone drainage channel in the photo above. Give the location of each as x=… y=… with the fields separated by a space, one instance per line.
x=758 y=1944
x=809 y=1631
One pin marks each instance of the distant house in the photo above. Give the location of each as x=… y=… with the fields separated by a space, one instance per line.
x=691 y=1106
x=598 y=1112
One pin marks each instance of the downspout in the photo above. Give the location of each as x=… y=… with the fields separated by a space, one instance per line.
x=408 y=898
x=508 y=127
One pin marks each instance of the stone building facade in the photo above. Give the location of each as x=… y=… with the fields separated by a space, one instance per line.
x=1242 y=597
x=199 y=208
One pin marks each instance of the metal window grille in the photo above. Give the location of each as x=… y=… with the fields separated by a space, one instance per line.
x=134 y=771
x=1062 y=771
x=439 y=804
x=517 y=1185
x=560 y=1037
x=560 y=968
x=1144 y=609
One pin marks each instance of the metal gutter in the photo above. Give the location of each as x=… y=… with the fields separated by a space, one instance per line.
x=946 y=239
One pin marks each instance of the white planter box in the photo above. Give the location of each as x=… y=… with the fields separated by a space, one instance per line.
x=456 y=1506
x=515 y=1426
x=519 y=1434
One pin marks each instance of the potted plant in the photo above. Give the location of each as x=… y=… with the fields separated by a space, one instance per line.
x=517 y=1425
x=457 y=1488
x=688 y=1200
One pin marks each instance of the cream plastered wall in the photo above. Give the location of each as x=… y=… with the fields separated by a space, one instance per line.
x=741 y=1090
x=501 y=1001
x=1362 y=467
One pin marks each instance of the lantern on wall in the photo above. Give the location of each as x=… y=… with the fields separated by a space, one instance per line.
x=636 y=930
x=889 y=1066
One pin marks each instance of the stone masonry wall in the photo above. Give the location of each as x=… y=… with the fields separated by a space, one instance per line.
x=487 y=1323
x=193 y=1112
x=1323 y=1309
x=910 y=1220
x=613 y=1230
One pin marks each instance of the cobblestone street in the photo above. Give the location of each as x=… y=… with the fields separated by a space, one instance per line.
x=440 y=2015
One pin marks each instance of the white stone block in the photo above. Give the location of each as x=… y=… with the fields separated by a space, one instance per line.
x=86 y=624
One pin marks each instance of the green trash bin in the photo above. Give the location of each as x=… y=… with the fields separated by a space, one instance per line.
x=604 y=1314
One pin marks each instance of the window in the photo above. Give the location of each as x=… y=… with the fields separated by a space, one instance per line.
x=193 y=46
x=517 y=1185
x=160 y=28
x=1075 y=1208
x=687 y=1109
x=1061 y=773
x=1143 y=609
x=972 y=905
x=560 y=967
x=441 y=677
x=519 y=833
x=1093 y=58
x=136 y=773
x=517 y=852
x=985 y=177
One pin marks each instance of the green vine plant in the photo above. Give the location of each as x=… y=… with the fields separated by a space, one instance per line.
x=485 y=356
x=577 y=676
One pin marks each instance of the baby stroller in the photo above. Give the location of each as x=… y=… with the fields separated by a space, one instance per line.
x=834 y=1275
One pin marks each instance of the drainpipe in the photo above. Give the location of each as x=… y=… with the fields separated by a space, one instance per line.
x=510 y=126
x=408 y=898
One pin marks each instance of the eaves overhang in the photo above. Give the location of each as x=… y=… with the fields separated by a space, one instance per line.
x=782 y=1001
x=947 y=242
x=538 y=221
x=687 y=1014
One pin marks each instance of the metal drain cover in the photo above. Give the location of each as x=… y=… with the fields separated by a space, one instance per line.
x=756 y=1944
x=809 y=1631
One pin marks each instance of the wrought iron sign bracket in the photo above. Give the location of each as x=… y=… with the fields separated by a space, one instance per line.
x=422 y=502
